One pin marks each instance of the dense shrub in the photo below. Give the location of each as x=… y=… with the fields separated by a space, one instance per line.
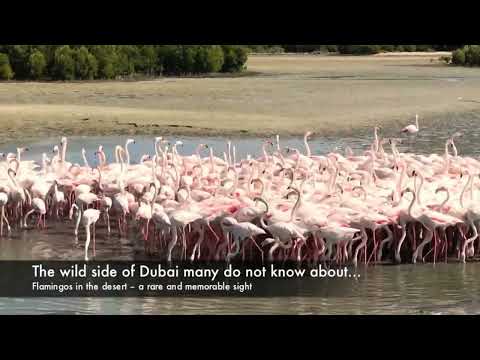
x=86 y=66
x=6 y=72
x=409 y=48
x=235 y=58
x=209 y=59
x=64 y=63
x=468 y=55
x=424 y=47
x=359 y=49
x=38 y=64
x=387 y=48
x=332 y=48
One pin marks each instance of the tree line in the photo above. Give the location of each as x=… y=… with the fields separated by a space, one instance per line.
x=88 y=62
x=350 y=49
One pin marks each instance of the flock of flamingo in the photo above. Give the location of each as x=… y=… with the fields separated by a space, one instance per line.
x=287 y=205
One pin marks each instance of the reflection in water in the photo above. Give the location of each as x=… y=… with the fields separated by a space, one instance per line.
x=408 y=289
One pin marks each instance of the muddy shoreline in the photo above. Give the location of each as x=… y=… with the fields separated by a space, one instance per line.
x=284 y=94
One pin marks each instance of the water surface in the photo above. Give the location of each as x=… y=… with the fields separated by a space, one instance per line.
x=407 y=289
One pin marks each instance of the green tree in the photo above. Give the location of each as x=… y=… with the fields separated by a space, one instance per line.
x=188 y=58
x=38 y=64
x=209 y=59
x=235 y=58
x=64 y=63
x=106 y=59
x=6 y=72
x=147 y=63
x=85 y=64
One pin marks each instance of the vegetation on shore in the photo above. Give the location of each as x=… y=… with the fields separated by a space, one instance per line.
x=349 y=49
x=88 y=62
x=469 y=55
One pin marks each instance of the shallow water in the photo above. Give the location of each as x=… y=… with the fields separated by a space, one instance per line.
x=407 y=289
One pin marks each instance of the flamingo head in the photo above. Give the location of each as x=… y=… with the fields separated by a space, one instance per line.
x=130 y=141
x=441 y=188
x=407 y=190
x=55 y=149
x=308 y=134
x=63 y=141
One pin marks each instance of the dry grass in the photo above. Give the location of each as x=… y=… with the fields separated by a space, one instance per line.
x=327 y=94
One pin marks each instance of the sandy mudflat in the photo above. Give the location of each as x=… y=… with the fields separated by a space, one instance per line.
x=286 y=94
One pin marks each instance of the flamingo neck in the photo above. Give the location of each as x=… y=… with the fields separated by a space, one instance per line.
x=64 y=150
x=470 y=179
x=127 y=153
x=85 y=159
x=410 y=208
x=212 y=164
x=307 y=146
x=376 y=141
x=419 y=189
x=229 y=156
x=297 y=205
x=14 y=181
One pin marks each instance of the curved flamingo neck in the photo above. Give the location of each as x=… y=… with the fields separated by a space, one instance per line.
x=376 y=144
x=297 y=205
x=64 y=149
x=85 y=159
x=444 y=204
x=410 y=208
x=212 y=164
x=470 y=179
x=307 y=146
x=14 y=181
x=127 y=153
x=419 y=188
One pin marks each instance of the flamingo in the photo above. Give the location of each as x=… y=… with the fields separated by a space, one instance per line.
x=412 y=129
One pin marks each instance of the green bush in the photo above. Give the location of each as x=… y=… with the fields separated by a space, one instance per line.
x=359 y=49
x=64 y=63
x=38 y=64
x=6 y=72
x=106 y=60
x=332 y=48
x=85 y=62
x=86 y=66
x=387 y=48
x=472 y=55
x=424 y=47
x=18 y=56
x=458 y=57
x=235 y=58
x=409 y=48
x=209 y=59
